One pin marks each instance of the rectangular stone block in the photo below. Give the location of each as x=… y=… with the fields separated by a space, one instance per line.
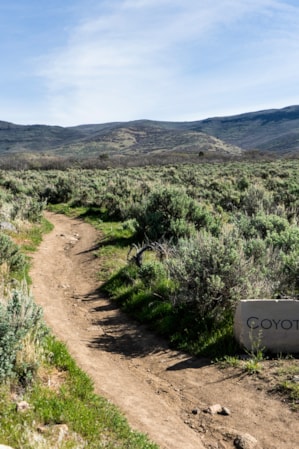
x=274 y=322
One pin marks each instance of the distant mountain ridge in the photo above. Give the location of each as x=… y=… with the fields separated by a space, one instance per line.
x=269 y=130
x=275 y=130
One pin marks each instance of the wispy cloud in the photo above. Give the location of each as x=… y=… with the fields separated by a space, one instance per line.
x=166 y=59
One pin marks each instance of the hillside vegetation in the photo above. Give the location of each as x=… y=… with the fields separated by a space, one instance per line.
x=215 y=234
x=275 y=131
x=130 y=138
x=183 y=244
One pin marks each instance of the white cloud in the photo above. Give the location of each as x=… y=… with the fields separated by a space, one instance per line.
x=164 y=59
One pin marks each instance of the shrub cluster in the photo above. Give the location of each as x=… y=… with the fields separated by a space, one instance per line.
x=230 y=231
x=21 y=324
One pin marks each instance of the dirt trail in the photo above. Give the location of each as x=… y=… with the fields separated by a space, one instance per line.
x=162 y=392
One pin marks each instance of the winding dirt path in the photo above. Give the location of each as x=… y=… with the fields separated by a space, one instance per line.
x=162 y=392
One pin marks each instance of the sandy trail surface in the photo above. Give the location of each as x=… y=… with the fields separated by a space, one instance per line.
x=163 y=393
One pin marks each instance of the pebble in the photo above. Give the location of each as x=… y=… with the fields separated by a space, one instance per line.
x=217 y=409
x=245 y=441
x=213 y=409
x=225 y=411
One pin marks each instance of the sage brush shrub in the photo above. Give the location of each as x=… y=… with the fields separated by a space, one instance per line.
x=10 y=253
x=273 y=243
x=286 y=240
x=161 y=210
x=115 y=207
x=212 y=273
x=19 y=316
x=255 y=199
x=26 y=208
x=267 y=224
x=169 y=213
x=290 y=272
x=60 y=190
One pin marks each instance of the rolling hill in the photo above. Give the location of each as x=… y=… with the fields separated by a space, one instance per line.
x=274 y=130
x=139 y=137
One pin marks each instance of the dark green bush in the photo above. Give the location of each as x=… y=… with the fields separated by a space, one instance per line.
x=286 y=240
x=59 y=191
x=169 y=213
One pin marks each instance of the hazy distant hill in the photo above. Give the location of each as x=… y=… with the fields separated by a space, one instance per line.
x=147 y=137
x=271 y=130
x=113 y=138
x=19 y=138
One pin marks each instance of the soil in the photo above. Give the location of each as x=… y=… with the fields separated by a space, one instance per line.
x=162 y=392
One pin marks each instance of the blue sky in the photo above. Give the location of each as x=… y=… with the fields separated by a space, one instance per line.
x=70 y=62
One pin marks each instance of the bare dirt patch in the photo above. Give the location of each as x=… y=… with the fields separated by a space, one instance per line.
x=162 y=392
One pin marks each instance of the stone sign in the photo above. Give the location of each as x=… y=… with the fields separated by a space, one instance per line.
x=272 y=324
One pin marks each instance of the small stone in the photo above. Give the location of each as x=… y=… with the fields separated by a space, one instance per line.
x=22 y=406
x=214 y=409
x=195 y=411
x=245 y=441
x=225 y=411
x=296 y=379
x=7 y=226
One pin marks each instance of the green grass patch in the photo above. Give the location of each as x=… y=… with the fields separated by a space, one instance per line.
x=291 y=390
x=288 y=385
x=114 y=232
x=92 y=421
x=31 y=237
x=229 y=361
x=113 y=246
x=291 y=370
x=203 y=337
x=76 y=405
x=67 y=209
x=28 y=240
